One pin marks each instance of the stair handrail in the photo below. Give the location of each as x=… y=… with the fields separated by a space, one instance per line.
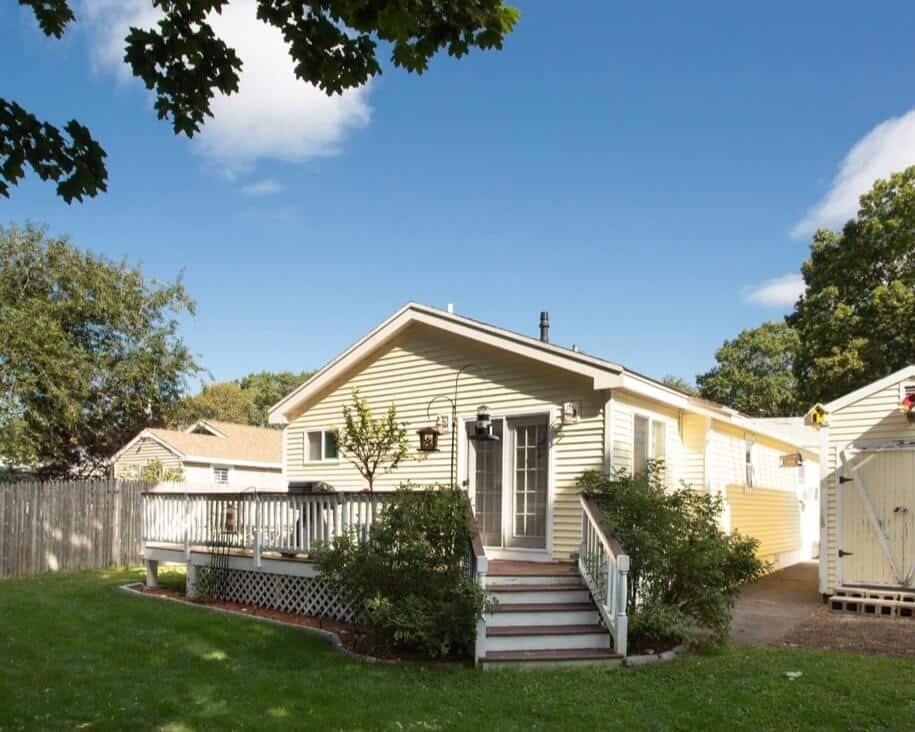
x=604 y=566
x=478 y=567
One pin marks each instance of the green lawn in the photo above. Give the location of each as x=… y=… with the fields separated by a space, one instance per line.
x=75 y=652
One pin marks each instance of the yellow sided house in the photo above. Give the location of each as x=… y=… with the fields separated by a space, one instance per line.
x=868 y=484
x=514 y=420
x=557 y=412
x=210 y=455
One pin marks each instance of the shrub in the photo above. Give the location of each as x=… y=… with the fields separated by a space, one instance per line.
x=409 y=582
x=685 y=573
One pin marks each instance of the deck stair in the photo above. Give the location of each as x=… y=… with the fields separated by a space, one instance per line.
x=545 y=617
x=872 y=601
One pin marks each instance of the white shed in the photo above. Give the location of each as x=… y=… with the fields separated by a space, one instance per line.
x=868 y=479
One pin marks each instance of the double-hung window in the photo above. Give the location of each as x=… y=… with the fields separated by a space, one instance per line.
x=320 y=446
x=751 y=468
x=649 y=442
x=221 y=475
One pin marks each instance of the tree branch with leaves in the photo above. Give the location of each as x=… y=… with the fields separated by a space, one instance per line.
x=333 y=45
x=374 y=446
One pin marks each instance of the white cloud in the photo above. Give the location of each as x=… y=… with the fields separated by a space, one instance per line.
x=265 y=187
x=780 y=292
x=274 y=115
x=886 y=149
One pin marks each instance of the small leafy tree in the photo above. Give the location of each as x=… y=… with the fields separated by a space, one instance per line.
x=685 y=573
x=153 y=472
x=370 y=444
x=408 y=581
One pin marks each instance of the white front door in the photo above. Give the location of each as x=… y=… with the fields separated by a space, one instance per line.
x=508 y=480
x=876 y=491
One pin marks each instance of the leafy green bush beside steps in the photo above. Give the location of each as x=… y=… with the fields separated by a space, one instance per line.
x=685 y=573
x=410 y=582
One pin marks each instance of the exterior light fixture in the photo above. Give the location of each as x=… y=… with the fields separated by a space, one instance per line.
x=428 y=439
x=482 y=430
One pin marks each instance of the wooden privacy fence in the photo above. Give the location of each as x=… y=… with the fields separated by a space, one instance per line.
x=69 y=525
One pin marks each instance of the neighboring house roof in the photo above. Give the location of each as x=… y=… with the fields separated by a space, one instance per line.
x=865 y=391
x=604 y=374
x=226 y=442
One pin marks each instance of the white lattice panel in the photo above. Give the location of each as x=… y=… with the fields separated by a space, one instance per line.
x=300 y=595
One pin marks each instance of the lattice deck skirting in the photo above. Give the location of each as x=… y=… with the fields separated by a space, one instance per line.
x=300 y=595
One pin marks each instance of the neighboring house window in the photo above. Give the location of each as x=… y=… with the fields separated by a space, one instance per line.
x=220 y=475
x=320 y=445
x=751 y=470
x=649 y=441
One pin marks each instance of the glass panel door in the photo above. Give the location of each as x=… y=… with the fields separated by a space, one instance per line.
x=530 y=475
x=486 y=484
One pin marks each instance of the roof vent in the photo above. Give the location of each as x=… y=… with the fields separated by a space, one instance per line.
x=544 y=326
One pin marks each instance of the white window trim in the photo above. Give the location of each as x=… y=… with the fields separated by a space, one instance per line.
x=661 y=419
x=322 y=459
x=227 y=468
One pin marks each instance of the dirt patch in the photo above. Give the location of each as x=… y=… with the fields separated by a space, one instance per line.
x=646 y=646
x=827 y=630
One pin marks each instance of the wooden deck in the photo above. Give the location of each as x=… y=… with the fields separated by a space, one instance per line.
x=224 y=551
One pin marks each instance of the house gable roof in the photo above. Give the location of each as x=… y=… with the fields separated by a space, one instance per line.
x=865 y=391
x=605 y=374
x=228 y=443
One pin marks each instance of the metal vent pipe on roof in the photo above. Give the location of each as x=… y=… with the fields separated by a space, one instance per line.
x=544 y=326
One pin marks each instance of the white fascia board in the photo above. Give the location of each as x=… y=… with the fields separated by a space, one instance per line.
x=232 y=461
x=652 y=390
x=865 y=391
x=207 y=426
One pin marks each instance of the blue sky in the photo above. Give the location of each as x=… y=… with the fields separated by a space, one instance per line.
x=642 y=171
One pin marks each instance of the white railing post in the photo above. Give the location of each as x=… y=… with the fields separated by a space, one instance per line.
x=257 y=532
x=479 y=650
x=187 y=526
x=622 y=591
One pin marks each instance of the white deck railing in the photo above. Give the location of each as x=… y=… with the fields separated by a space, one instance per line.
x=604 y=568
x=258 y=522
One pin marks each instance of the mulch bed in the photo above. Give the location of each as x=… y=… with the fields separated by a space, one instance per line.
x=827 y=630
x=351 y=636
x=649 y=646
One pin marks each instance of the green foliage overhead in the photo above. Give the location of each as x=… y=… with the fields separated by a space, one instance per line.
x=408 y=582
x=680 y=384
x=243 y=401
x=89 y=353
x=371 y=444
x=754 y=373
x=685 y=573
x=333 y=44
x=856 y=319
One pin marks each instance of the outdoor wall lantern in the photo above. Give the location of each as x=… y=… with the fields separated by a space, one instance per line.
x=482 y=430
x=428 y=439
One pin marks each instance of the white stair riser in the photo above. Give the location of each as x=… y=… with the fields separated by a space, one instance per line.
x=547 y=642
x=548 y=580
x=553 y=617
x=542 y=597
x=538 y=665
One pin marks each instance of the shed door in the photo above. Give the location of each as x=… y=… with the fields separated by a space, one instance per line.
x=877 y=509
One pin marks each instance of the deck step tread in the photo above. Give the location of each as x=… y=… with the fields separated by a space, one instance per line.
x=509 y=568
x=522 y=630
x=536 y=588
x=542 y=607
x=562 y=654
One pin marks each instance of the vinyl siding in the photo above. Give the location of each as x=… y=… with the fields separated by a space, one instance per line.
x=876 y=418
x=421 y=364
x=772 y=516
x=772 y=510
x=694 y=428
x=625 y=407
x=144 y=452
